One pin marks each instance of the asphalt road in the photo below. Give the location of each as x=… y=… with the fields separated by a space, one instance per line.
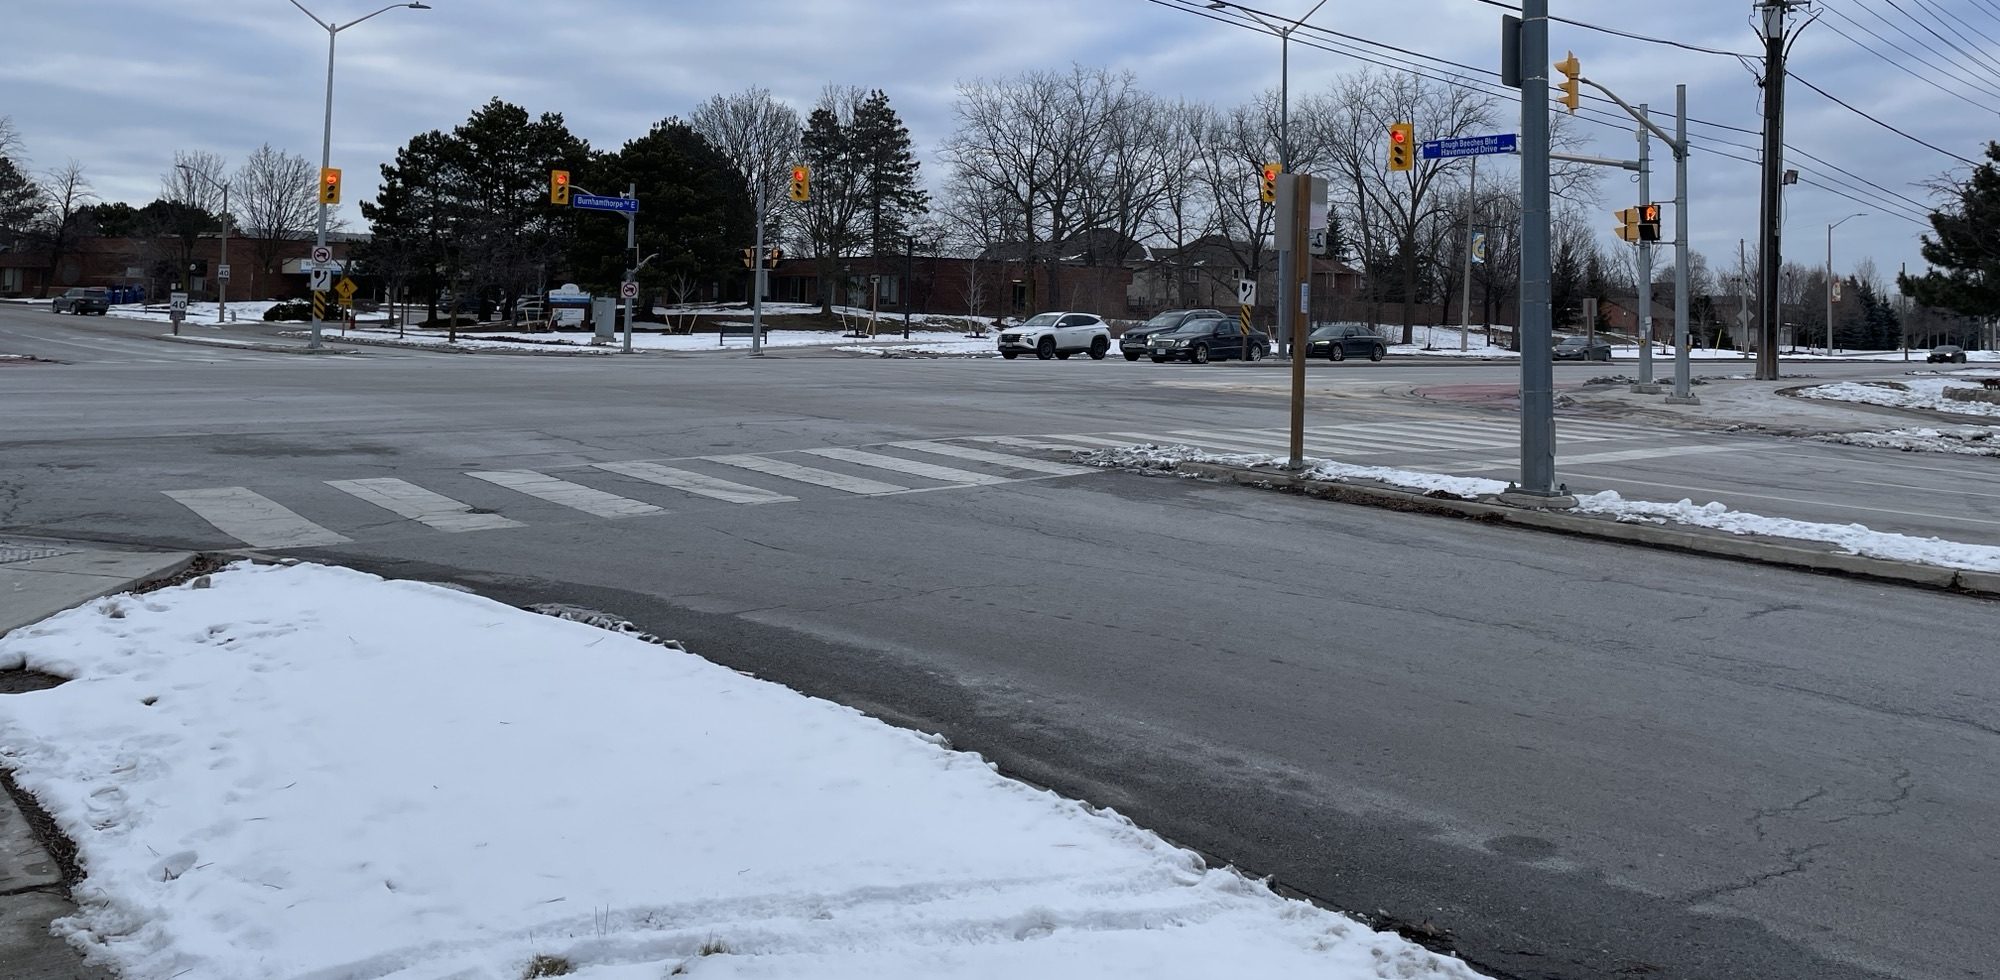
x=1560 y=757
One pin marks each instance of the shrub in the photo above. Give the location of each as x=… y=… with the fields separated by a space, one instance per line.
x=297 y=309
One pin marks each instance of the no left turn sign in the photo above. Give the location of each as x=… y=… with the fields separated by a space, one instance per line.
x=322 y=255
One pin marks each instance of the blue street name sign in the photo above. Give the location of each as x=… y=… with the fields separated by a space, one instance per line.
x=1469 y=146
x=593 y=202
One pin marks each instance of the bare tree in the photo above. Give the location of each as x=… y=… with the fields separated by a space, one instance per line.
x=65 y=193
x=10 y=140
x=1394 y=208
x=276 y=202
x=759 y=134
x=193 y=186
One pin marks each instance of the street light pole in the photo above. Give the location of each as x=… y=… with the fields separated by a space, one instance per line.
x=1829 y=276
x=326 y=131
x=222 y=278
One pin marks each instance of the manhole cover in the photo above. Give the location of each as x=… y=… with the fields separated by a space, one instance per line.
x=13 y=553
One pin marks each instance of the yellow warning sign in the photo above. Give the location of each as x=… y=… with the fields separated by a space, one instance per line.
x=345 y=289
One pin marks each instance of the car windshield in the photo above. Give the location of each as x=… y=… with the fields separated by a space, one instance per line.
x=1042 y=320
x=1163 y=320
x=1324 y=333
x=1574 y=342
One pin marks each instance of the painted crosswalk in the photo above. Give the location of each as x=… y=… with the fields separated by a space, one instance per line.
x=664 y=489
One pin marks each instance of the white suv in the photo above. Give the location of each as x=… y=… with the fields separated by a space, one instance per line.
x=1047 y=335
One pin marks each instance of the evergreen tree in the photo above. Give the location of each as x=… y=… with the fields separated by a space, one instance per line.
x=829 y=219
x=409 y=218
x=117 y=219
x=890 y=185
x=494 y=185
x=697 y=211
x=1966 y=247
x=20 y=201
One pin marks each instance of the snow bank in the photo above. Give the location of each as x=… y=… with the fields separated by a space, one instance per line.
x=1964 y=440
x=312 y=772
x=198 y=314
x=1924 y=393
x=580 y=342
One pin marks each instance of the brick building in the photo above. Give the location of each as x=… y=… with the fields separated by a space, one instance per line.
x=153 y=264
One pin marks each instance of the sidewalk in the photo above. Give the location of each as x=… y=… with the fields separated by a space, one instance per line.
x=39 y=579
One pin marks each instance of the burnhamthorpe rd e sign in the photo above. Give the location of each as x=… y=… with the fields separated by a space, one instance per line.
x=598 y=202
x=1469 y=146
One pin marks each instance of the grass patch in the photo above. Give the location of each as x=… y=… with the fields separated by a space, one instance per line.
x=544 y=965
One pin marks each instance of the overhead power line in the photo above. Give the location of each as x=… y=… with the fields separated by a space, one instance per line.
x=1670 y=42
x=1838 y=101
x=1906 y=69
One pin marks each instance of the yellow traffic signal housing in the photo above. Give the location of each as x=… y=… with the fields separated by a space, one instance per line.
x=1628 y=224
x=1267 y=183
x=801 y=189
x=559 y=187
x=329 y=185
x=749 y=258
x=772 y=255
x=1572 y=87
x=1649 y=222
x=1402 y=146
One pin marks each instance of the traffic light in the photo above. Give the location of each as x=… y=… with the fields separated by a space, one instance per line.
x=1649 y=222
x=749 y=258
x=772 y=255
x=801 y=189
x=1572 y=87
x=559 y=187
x=1267 y=186
x=1402 y=146
x=329 y=185
x=1628 y=224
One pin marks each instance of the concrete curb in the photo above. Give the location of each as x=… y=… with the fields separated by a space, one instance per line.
x=233 y=345
x=1810 y=556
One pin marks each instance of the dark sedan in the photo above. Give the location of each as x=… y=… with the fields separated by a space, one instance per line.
x=1342 y=341
x=1946 y=354
x=1582 y=349
x=1202 y=341
x=1138 y=340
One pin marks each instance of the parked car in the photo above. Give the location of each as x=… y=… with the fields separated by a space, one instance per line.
x=1946 y=354
x=1344 y=340
x=1135 y=341
x=1057 y=335
x=1582 y=349
x=83 y=299
x=1208 y=339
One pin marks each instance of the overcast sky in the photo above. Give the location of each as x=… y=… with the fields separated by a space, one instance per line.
x=119 y=85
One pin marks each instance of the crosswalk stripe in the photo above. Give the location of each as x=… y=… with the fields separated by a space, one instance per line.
x=1584 y=459
x=695 y=483
x=421 y=505
x=1025 y=443
x=997 y=459
x=929 y=471
x=254 y=519
x=1281 y=444
x=1420 y=436
x=1090 y=440
x=808 y=474
x=576 y=495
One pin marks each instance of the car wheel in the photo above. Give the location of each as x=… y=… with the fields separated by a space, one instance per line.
x=1046 y=349
x=1200 y=355
x=1099 y=347
x=1256 y=353
x=1131 y=355
x=1010 y=354
x=1338 y=353
x=1377 y=352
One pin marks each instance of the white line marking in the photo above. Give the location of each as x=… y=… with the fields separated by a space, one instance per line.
x=1025 y=443
x=253 y=518
x=695 y=483
x=1619 y=456
x=421 y=505
x=997 y=459
x=929 y=471
x=1091 y=440
x=808 y=474
x=576 y=495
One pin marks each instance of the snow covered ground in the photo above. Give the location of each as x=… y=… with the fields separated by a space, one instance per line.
x=1924 y=393
x=1855 y=539
x=312 y=772
x=956 y=346
x=198 y=314
x=580 y=341
x=1963 y=440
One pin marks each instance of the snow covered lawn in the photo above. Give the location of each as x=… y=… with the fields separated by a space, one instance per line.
x=1924 y=393
x=312 y=772
x=198 y=314
x=957 y=346
x=1963 y=440
x=580 y=341
x=1855 y=539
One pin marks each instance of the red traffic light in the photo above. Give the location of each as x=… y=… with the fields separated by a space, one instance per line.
x=1271 y=171
x=800 y=173
x=1397 y=136
x=562 y=179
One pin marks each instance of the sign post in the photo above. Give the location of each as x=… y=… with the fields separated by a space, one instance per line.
x=177 y=310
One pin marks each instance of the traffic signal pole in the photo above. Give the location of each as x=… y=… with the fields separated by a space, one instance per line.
x=757 y=278
x=1645 y=385
x=1538 y=421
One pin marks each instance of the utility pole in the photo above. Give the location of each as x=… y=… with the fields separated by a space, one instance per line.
x=1538 y=421
x=1683 y=393
x=757 y=272
x=1770 y=212
x=1645 y=385
x=909 y=279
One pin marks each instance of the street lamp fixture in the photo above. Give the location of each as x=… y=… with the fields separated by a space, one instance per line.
x=222 y=272
x=326 y=133
x=1829 y=276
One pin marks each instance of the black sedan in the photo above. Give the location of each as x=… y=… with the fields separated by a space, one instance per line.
x=1946 y=354
x=1138 y=340
x=1582 y=349
x=1202 y=341
x=1341 y=341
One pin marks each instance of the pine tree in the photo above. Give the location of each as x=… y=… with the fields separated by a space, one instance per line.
x=697 y=210
x=20 y=201
x=1966 y=247
x=890 y=185
x=829 y=218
